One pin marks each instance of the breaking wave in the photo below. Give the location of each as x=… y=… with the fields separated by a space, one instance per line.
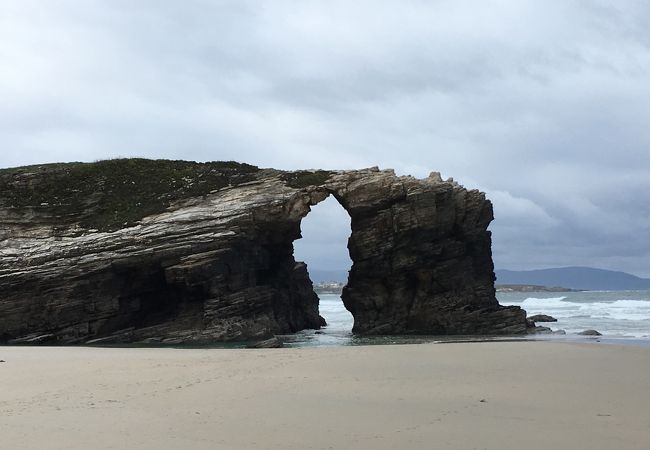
x=614 y=313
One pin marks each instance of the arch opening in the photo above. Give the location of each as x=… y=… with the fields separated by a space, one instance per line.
x=323 y=246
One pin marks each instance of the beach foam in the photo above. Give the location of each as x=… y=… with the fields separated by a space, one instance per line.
x=612 y=313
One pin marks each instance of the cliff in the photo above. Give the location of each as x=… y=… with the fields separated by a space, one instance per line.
x=179 y=252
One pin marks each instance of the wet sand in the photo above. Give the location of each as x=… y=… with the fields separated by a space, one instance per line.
x=494 y=395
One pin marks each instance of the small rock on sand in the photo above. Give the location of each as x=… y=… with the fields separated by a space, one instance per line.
x=268 y=343
x=590 y=333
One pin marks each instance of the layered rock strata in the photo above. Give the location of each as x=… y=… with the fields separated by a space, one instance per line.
x=177 y=252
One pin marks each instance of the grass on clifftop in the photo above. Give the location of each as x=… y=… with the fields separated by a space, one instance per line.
x=108 y=195
x=303 y=178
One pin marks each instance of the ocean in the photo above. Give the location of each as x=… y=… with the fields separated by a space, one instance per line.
x=616 y=314
x=621 y=316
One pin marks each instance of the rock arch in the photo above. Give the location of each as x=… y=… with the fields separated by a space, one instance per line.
x=421 y=256
x=217 y=264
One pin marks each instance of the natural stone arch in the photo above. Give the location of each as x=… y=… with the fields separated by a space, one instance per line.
x=220 y=254
x=421 y=256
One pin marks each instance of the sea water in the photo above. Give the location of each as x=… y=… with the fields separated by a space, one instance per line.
x=618 y=314
x=621 y=316
x=338 y=330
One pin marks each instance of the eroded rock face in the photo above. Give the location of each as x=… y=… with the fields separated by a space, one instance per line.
x=204 y=252
x=422 y=259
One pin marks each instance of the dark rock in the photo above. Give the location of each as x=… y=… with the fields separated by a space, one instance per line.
x=540 y=330
x=542 y=318
x=318 y=332
x=274 y=342
x=177 y=252
x=590 y=333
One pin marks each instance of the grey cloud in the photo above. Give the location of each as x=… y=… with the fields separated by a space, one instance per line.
x=541 y=104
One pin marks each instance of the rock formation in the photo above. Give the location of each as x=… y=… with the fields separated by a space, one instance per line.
x=178 y=252
x=542 y=318
x=590 y=333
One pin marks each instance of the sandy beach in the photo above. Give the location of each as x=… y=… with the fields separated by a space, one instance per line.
x=508 y=395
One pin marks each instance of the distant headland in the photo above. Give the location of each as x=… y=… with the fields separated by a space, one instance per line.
x=574 y=278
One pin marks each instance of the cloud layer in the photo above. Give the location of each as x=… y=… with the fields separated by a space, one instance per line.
x=544 y=105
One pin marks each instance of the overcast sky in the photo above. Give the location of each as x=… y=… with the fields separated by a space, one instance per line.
x=545 y=105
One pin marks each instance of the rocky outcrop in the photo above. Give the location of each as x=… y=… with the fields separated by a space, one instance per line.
x=179 y=252
x=542 y=318
x=590 y=333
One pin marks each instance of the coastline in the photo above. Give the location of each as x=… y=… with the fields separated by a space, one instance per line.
x=496 y=395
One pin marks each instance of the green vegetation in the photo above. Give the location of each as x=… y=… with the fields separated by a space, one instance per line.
x=108 y=195
x=303 y=178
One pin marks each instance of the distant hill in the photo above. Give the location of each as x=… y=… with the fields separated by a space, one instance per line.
x=586 y=278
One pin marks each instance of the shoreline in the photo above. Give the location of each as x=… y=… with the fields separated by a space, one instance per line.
x=301 y=340
x=499 y=395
